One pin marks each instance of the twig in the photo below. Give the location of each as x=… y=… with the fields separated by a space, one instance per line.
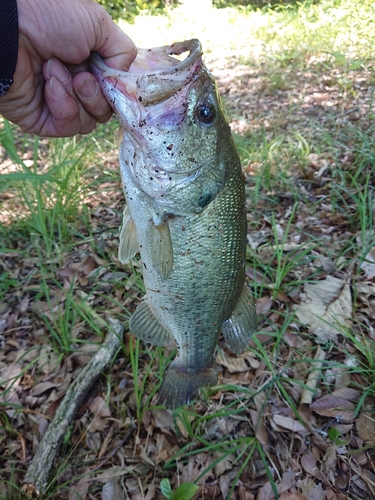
x=36 y=478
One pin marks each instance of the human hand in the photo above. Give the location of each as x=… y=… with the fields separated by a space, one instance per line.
x=52 y=93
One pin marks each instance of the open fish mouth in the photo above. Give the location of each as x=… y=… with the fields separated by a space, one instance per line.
x=155 y=75
x=157 y=101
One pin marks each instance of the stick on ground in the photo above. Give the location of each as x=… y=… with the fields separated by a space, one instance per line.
x=36 y=478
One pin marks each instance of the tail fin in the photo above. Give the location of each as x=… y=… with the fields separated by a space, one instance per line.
x=181 y=384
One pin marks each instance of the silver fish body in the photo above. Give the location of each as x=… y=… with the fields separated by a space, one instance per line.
x=185 y=212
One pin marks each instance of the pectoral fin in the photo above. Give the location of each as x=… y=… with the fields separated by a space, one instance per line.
x=161 y=249
x=128 y=245
x=239 y=328
x=144 y=325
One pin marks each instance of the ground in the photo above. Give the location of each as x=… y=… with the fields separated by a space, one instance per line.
x=292 y=417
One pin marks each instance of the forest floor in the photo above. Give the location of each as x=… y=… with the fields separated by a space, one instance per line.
x=293 y=417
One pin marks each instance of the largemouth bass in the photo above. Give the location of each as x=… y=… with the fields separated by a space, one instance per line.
x=185 y=211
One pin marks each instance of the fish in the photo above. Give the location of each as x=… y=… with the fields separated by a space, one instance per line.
x=185 y=212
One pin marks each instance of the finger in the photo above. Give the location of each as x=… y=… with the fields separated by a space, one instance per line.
x=112 y=44
x=66 y=116
x=88 y=92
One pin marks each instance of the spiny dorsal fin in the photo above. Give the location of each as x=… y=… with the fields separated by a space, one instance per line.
x=128 y=245
x=239 y=328
x=144 y=325
x=161 y=249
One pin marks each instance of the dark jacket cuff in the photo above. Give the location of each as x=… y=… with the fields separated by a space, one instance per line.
x=8 y=43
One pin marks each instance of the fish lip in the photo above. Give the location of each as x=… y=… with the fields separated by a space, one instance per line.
x=192 y=46
x=143 y=84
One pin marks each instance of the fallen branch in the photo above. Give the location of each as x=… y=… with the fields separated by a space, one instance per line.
x=36 y=478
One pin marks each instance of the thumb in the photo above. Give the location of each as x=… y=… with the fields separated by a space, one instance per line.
x=114 y=45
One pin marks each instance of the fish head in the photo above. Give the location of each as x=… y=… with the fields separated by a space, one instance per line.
x=175 y=129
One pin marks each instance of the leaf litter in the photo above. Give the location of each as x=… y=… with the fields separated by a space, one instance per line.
x=294 y=415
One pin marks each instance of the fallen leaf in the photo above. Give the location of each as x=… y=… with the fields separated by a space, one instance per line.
x=43 y=387
x=259 y=427
x=347 y=393
x=224 y=464
x=365 y=425
x=311 y=490
x=88 y=264
x=79 y=491
x=112 y=490
x=325 y=306
x=290 y=423
x=292 y=496
x=368 y=265
x=331 y=406
x=193 y=469
x=241 y=363
x=98 y=406
x=308 y=462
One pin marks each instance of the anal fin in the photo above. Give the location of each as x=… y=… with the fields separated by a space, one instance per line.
x=161 y=249
x=146 y=326
x=239 y=328
x=128 y=245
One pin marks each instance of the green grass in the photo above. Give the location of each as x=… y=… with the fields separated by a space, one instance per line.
x=62 y=202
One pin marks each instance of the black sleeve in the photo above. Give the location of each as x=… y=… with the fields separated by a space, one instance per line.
x=8 y=43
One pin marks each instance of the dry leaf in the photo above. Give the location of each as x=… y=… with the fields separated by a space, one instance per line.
x=311 y=490
x=98 y=406
x=347 y=393
x=163 y=419
x=43 y=387
x=331 y=406
x=368 y=265
x=292 y=496
x=290 y=423
x=241 y=363
x=193 y=469
x=365 y=425
x=308 y=462
x=88 y=264
x=259 y=427
x=112 y=490
x=79 y=491
x=327 y=305
x=224 y=464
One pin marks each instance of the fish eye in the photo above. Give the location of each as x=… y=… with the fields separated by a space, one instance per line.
x=205 y=113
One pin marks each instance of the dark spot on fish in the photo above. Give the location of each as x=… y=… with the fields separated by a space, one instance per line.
x=204 y=199
x=170 y=147
x=140 y=98
x=151 y=178
x=145 y=266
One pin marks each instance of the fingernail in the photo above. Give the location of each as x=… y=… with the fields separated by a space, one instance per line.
x=56 y=87
x=56 y=68
x=88 y=89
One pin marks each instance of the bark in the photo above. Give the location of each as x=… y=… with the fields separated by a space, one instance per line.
x=36 y=478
